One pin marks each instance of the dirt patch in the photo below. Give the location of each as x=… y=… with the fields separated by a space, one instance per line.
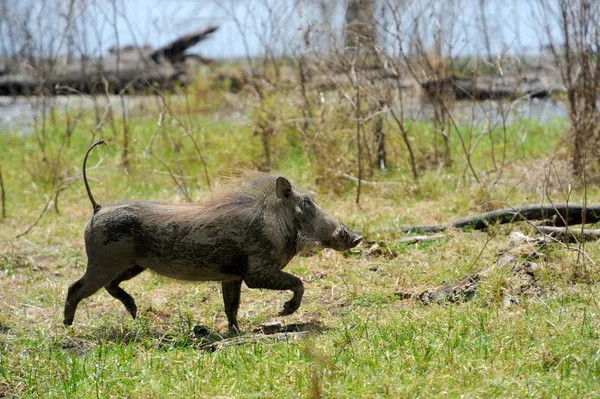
x=278 y=327
x=7 y=391
x=77 y=345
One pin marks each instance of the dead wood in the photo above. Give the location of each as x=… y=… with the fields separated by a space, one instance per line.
x=518 y=258
x=419 y=239
x=485 y=88
x=124 y=69
x=175 y=50
x=569 y=235
x=274 y=331
x=562 y=214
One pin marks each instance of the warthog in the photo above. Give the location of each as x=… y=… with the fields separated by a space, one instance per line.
x=247 y=234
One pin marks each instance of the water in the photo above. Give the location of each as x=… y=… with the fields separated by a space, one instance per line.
x=15 y=113
x=20 y=113
x=491 y=112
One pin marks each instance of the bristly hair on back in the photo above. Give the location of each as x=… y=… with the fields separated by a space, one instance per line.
x=243 y=196
x=249 y=185
x=249 y=189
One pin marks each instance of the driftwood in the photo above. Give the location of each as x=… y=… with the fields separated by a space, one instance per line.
x=521 y=283
x=562 y=214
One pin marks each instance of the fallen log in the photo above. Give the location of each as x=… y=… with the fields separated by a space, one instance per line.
x=563 y=214
x=569 y=235
x=175 y=50
x=129 y=68
x=491 y=87
x=274 y=331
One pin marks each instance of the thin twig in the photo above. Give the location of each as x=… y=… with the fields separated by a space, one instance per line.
x=3 y=194
x=188 y=133
x=173 y=175
x=355 y=180
x=48 y=202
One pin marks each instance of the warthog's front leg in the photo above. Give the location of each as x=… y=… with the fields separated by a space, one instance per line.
x=231 y=300
x=279 y=281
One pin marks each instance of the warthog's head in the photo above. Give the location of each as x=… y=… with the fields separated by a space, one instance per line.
x=315 y=225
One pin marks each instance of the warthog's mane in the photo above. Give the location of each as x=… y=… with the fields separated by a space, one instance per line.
x=242 y=198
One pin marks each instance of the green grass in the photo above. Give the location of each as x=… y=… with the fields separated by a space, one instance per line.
x=372 y=344
x=375 y=348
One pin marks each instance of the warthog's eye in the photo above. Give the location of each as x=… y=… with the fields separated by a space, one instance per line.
x=306 y=206
x=306 y=203
x=343 y=234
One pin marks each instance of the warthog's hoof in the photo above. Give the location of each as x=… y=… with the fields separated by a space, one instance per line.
x=67 y=322
x=289 y=307
x=133 y=311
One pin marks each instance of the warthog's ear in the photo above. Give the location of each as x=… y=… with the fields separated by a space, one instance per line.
x=283 y=187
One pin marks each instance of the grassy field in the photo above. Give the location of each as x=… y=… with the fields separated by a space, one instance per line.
x=364 y=341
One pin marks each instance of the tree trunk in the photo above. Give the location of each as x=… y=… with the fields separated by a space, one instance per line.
x=360 y=27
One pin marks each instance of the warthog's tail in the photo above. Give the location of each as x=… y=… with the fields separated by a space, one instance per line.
x=87 y=186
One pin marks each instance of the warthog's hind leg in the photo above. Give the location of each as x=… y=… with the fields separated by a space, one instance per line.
x=91 y=282
x=120 y=294
x=279 y=281
x=231 y=300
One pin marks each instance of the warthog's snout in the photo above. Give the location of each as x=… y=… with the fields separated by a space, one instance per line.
x=344 y=238
x=356 y=241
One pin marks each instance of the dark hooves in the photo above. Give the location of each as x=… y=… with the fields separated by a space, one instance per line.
x=288 y=309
